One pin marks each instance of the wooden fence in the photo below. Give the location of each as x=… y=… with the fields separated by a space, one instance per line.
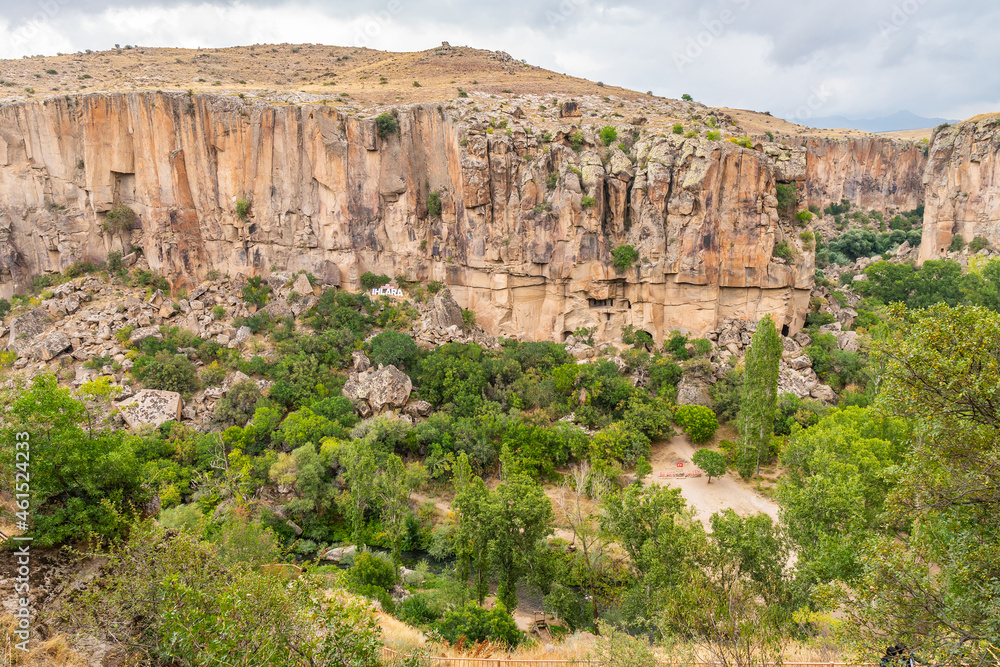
x=389 y=656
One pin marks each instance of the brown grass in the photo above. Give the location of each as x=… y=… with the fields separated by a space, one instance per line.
x=52 y=652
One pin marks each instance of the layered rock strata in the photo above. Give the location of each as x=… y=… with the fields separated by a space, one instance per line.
x=524 y=235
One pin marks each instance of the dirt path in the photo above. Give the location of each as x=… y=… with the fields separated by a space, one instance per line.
x=728 y=492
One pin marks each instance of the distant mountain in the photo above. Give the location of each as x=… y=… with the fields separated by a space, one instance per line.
x=903 y=120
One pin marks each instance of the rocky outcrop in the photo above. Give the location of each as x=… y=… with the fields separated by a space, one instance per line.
x=327 y=195
x=962 y=183
x=375 y=390
x=151 y=407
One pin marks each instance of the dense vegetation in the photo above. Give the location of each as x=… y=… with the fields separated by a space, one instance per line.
x=887 y=498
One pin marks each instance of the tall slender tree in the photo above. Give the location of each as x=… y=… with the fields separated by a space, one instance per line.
x=760 y=396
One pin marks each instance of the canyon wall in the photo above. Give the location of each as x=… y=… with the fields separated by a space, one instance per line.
x=524 y=235
x=873 y=173
x=962 y=184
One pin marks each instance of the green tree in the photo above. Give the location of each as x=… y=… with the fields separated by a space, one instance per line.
x=521 y=515
x=608 y=135
x=760 y=396
x=711 y=462
x=361 y=465
x=926 y=585
x=393 y=486
x=473 y=532
x=82 y=478
x=175 y=599
x=393 y=347
x=699 y=422
x=834 y=491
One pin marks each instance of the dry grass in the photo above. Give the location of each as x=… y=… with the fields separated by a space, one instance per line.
x=52 y=652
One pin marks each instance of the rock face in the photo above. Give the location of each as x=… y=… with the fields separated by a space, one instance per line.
x=373 y=391
x=150 y=406
x=331 y=197
x=962 y=183
x=873 y=173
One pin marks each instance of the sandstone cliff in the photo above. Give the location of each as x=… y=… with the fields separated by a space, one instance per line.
x=962 y=183
x=873 y=173
x=523 y=238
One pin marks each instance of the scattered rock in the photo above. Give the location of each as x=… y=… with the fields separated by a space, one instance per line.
x=142 y=333
x=150 y=406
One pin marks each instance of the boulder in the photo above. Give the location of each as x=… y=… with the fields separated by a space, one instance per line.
x=692 y=392
x=339 y=554
x=50 y=346
x=385 y=388
x=824 y=393
x=849 y=341
x=151 y=406
x=418 y=408
x=800 y=363
x=25 y=328
x=302 y=285
x=361 y=362
x=278 y=308
x=142 y=333
x=443 y=312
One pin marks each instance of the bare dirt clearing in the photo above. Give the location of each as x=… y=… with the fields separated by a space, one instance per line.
x=727 y=492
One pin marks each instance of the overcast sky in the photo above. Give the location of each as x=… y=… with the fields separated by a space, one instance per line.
x=795 y=58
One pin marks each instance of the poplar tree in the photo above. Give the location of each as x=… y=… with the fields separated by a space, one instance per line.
x=760 y=396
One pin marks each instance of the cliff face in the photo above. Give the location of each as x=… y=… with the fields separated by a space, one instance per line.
x=962 y=184
x=524 y=237
x=873 y=173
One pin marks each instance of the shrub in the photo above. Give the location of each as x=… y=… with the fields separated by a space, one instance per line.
x=663 y=376
x=393 y=347
x=713 y=135
x=469 y=319
x=677 y=346
x=552 y=180
x=608 y=135
x=678 y=128
x=218 y=312
x=623 y=257
x=372 y=570
x=587 y=202
x=4 y=307
x=957 y=243
x=255 y=292
x=770 y=136
x=576 y=140
x=118 y=220
x=434 y=204
x=687 y=98
x=787 y=195
x=699 y=422
x=743 y=141
x=782 y=250
x=167 y=372
x=434 y=286
x=386 y=124
x=239 y=403
x=804 y=216
x=476 y=624
x=243 y=208
x=978 y=244
x=370 y=281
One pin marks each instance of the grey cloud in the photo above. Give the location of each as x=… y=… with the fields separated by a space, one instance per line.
x=876 y=56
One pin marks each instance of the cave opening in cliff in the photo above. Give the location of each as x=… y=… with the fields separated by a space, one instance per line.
x=784 y=329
